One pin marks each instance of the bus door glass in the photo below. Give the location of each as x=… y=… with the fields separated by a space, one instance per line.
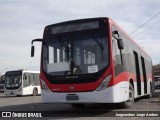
x=26 y=80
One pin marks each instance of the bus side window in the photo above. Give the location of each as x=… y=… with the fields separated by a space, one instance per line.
x=26 y=81
x=116 y=52
x=36 y=79
x=118 y=63
x=31 y=79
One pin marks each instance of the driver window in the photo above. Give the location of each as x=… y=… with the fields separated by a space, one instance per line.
x=118 y=66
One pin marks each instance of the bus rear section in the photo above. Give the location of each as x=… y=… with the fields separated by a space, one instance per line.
x=85 y=61
x=22 y=82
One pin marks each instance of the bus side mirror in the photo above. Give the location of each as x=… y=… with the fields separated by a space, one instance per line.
x=3 y=77
x=32 y=51
x=32 y=48
x=120 y=44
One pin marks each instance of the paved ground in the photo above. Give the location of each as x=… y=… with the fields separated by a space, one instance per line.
x=91 y=111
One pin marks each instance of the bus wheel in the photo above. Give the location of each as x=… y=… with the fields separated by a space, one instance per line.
x=19 y=95
x=80 y=105
x=35 y=92
x=130 y=101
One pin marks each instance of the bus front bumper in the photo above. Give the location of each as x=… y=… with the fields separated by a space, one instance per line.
x=114 y=94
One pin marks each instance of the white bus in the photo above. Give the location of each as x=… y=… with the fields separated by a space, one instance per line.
x=22 y=82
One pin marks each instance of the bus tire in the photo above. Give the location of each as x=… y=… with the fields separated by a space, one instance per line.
x=35 y=92
x=80 y=105
x=130 y=101
x=19 y=95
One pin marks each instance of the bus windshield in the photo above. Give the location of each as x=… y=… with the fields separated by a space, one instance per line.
x=13 y=80
x=75 y=53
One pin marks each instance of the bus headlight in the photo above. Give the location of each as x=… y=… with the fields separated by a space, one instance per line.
x=44 y=86
x=104 y=84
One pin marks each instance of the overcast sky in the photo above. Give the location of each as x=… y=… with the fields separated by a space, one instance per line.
x=24 y=20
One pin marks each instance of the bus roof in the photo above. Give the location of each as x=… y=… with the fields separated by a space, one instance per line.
x=79 y=21
x=29 y=71
x=24 y=70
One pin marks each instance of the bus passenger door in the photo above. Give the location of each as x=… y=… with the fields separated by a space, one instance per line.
x=137 y=73
x=26 y=84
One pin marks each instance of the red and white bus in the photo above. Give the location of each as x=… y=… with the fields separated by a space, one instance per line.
x=92 y=61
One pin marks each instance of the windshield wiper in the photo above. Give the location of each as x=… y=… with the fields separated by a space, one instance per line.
x=61 y=42
x=63 y=45
x=97 y=41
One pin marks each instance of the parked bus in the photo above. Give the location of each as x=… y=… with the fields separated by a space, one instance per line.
x=157 y=82
x=2 y=79
x=92 y=61
x=22 y=82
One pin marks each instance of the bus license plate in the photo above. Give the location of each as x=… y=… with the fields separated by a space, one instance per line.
x=72 y=97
